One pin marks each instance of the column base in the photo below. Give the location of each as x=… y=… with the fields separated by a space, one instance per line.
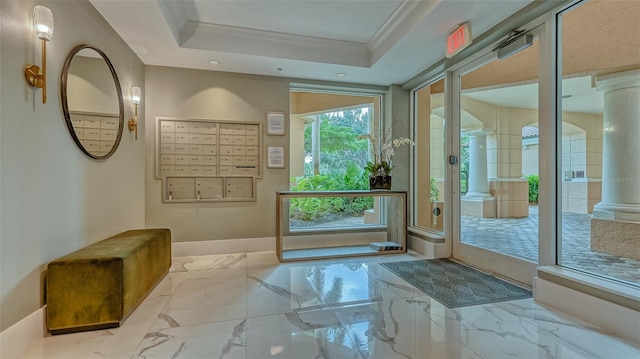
x=615 y=237
x=512 y=197
x=617 y=211
x=484 y=207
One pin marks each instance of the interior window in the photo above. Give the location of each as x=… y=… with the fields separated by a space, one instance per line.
x=326 y=154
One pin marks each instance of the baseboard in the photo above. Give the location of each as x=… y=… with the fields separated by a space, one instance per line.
x=610 y=317
x=427 y=248
x=18 y=338
x=223 y=246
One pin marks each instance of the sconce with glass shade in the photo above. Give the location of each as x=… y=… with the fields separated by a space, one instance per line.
x=135 y=98
x=43 y=24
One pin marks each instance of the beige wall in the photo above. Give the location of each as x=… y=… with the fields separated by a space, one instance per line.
x=185 y=93
x=582 y=146
x=397 y=117
x=54 y=199
x=296 y=145
x=90 y=86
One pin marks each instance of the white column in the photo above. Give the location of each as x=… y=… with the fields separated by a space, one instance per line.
x=621 y=147
x=478 y=180
x=315 y=144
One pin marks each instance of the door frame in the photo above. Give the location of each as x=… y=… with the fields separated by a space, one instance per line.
x=517 y=269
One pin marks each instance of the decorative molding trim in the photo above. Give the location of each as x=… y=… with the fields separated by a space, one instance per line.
x=401 y=22
x=393 y=23
x=18 y=338
x=246 y=41
x=223 y=246
x=175 y=16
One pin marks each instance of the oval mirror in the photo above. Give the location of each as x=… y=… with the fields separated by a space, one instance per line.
x=92 y=101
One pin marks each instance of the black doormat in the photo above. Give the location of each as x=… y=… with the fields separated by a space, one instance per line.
x=455 y=285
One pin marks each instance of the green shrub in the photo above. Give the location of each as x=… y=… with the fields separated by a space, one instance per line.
x=533 y=187
x=309 y=209
x=435 y=191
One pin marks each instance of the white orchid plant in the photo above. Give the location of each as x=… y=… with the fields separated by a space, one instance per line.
x=383 y=153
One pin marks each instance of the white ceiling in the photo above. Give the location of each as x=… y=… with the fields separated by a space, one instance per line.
x=378 y=42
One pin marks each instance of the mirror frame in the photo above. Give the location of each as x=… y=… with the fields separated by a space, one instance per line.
x=65 y=104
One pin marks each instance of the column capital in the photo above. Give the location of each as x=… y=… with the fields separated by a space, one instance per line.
x=618 y=80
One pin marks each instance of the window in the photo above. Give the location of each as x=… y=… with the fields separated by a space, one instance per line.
x=327 y=155
x=600 y=180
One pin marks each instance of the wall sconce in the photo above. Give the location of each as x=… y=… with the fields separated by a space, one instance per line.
x=43 y=24
x=135 y=98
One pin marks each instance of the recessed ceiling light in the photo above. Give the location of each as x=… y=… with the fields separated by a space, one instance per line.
x=341 y=74
x=214 y=62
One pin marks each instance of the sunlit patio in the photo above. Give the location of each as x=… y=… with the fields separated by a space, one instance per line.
x=518 y=237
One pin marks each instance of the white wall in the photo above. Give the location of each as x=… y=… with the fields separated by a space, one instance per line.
x=530 y=160
x=53 y=198
x=186 y=93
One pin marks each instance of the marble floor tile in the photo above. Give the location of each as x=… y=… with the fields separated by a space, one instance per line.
x=299 y=335
x=346 y=283
x=206 y=296
x=249 y=306
x=167 y=286
x=398 y=328
x=212 y=340
x=262 y=260
x=396 y=284
x=572 y=333
x=209 y=262
x=493 y=331
x=278 y=291
x=76 y=345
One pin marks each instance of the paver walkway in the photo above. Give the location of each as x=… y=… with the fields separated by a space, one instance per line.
x=518 y=237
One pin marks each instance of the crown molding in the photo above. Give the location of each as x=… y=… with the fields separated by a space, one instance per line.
x=406 y=17
x=202 y=36
x=175 y=15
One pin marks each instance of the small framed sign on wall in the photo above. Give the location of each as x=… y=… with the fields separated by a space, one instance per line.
x=275 y=157
x=276 y=123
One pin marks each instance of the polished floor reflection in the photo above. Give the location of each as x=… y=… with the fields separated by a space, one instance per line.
x=247 y=305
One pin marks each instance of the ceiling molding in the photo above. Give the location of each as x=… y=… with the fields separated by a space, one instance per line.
x=175 y=16
x=406 y=17
x=201 y=36
x=384 y=44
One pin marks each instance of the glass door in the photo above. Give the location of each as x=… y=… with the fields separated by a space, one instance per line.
x=495 y=114
x=599 y=213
